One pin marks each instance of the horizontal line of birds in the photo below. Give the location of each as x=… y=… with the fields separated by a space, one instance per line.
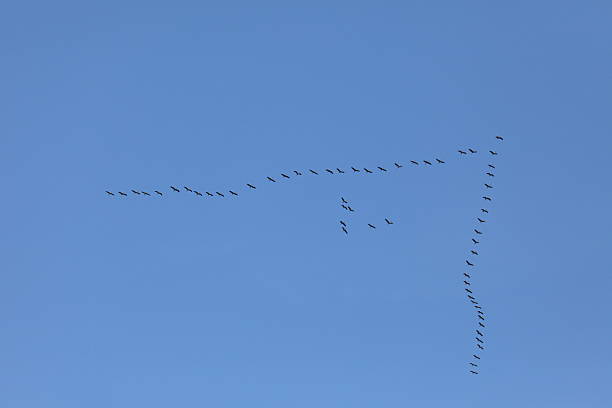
x=473 y=252
x=286 y=176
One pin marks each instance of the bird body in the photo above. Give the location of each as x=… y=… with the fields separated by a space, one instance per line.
x=440 y=161
x=343 y=223
x=109 y=193
x=414 y=162
x=469 y=263
x=479 y=346
x=490 y=174
x=371 y=226
x=426 y=162
x=388 y=222
x=479 y=333
x=367 y=171
x=339 y=171
x=135 y=192
x=329 y=171
x=343 y=200
x=175 y=189
x=473 y=372
x=197 y=193
x=219 y=194
x=466 y=282
x=475 y=241
x=313 y=172
x=484 y=210
x=462 y=152
x=399 y=166
x=122 y=193
x=271 y=179
x=491 y=166
x=487 y=198
x=284 y=175
x=350 y=209
x=345 y=231
x=188 y=189
x=488 y=185
x=473 y=151
x=499 y=137
x=158 y=192
x=467 y=275
x=252 y=186
x=480 y=220
x=478 y=232
x=233 y=193
x=355 y=170
x=145 y=193
x=209 y=194
x=297 y=173
x=493 y=153
x=474 y=252
x=381 y=168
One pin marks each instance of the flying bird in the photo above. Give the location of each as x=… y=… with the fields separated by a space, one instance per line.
x=219 y=194
x=481 y=325
x=477 y=307
x=467 y=275
x=343 y=223
x=491 y=166
x=462 y=152
x=297 y=173
x=399 y=166
x=480 y=220
x=476 y=357
x=329 y=171
x=339 y=171
x=109 y=193
x=354 y=169
x=197 y=193
x=474 y=252
x=209 y=194
x=122 y=193
x=475 y=241
x=135 y=192
x=479 y=346
x=471 y=297
x=490 y=174
x=473 y=372
x=488 y=185
x=381 y=168
x=345 y=231
x=484 y=210
x=473 y=151
x=313 y=172
x=474 y=365
x=251 y=186
x=426 y=162
x=371 y=226
x=188 y=189
x=343 y=200
x=344 y=206
x=499 y=137
x=271 y=179
x=350 y=209
x=367 y=171
x=480 y=317
x=478 y=232
x=414 y=162
x=466 y=282
x=145 y=193
x=479 y=340
x=487 y=198
x=480 y=312
x=158 y=192
x=469 y=263
x=231 y=192
x=468 y=291
x=284 y=175
x=175 y=189
x=389 y=222
x=479 y=333
x=493 y=153
x=440 y=161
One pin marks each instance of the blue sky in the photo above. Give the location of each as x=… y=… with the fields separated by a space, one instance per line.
x=261 y=300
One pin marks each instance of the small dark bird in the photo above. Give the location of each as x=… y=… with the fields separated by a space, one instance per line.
x=471 y=297
x=473 y=151
x=475 y=241
x=209 y=194
x=354 y=169
x=340 y=171
x=284 y=175
x=399 y=166
x=135 y=192
x=474 y=365
x=343 y=223
x=468 y=291
x=122 y=193
x=479 y=333
x=329 y=171
x=426 y=162
x=219 y=194
x=414 y=162
x=487 y=198
x=479 y=346
x=371 y=226
x=345 y=231
x=493 y=153
x=467 y=275
x=476 y=357
x=381 y=168
x=466 y=282
x=474 y=302
x=488 y=185
x=490 y=174
x=477 y=307
x=231 y=192
x=480 y=312
x=480 y=220
x=389 y=222
x=440 y=161
x=297 y=173
x=350 y=209
x=491 y=166
x=197 y=193
x=251 y=186
x=175 y=189
x=313 y=172
x=188 y=189
x=158 y=192
x=469 y=263
x=343 y=200
x=462 y=152
x=271 y=179
x=478 y=232
x=481 y=325
x=344 y=206
x=480 y=317
x=474 y=252
x=484 y=210
x=479 y=340
x=145 y=193
x=367 y=171
x=109 y=193
x=499 y=137
x=473 y=372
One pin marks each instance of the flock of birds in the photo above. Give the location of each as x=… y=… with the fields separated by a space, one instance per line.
x=481 y=219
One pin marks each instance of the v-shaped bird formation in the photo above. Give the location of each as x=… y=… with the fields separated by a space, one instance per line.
x=481 y=220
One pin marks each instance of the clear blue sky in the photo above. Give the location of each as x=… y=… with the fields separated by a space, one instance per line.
x=261 y=300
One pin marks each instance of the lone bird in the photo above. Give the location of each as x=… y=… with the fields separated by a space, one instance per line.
x=343 y=223
x=484 y=210
x=478 y=232
x=209 y=194
x=499 y=137
x=313 y=172
x=389 y=222
x=367 y=171
x=175 y=189
x=355 y=170
x=399 y=166
x=329 y=171
x=158 y=192
x=198 y=193
x=231 y=192
x=414 y=162
x=491 y=166
x=490 y=174
x=480 y=220
x=251 y=186
x=440 y=161
x=466 y=282
x=381 y=168
x=371 y=226
x=493 y=153
x=462 y=152
x=426 y=162
x=135 y=192
x=188 y=189
x=109 y=193
x=487 y=198
x=284 y=175
x=297 y=173
x=473 y=151
x=271 y=179
x=340 y=171
x=219 y=194
x=122 y=193
x=488 y=185
x=345 y=231
x=474 y=252
x=475 y=241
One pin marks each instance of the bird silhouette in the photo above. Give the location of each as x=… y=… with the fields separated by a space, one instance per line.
x=284 y=175
x=297 y=173
x=135 y=192
x=490 y=174
x=480 y=220
x=414 y=162
x=271 y=179
x=109 y=193
x=381 y=168
x=389 y=222
x=467 y=275
x=440 y=161
x=491 y=166
x=158 y=192
x=473 y=372
x=468 y=291
x=343 y=223
x=350 y=209
x=122 y=193
x=145 y=193
x=175 y=189
x=481 y=325
x=479 y=333
x=469 y=263
x=371 y=226
x=197 y=193
x=367 y=171
x=344 y=206
x=426 y=162
x=340 y=171
x=479 y=346
x=474 y=365
x=475 y=356
x=480 y=317
x=488 y=185
x=478 y=232
x=462 y=152
x=329 y=171
x=345 y=231
x=477 y=307
x=479 y=340
x=475 y=241
x=313 y=172
x=399 y=166
x=231 y=192
x=219 y=194
x=493 y=153
x=466 y=282
x=484 y=210
x=251 y=186
x=209 y=194
x=474 y=252
x=343 y=200
x=487 y=198
x=473 y=151
x=471 y=297
x=354 y=169
x=188 y=189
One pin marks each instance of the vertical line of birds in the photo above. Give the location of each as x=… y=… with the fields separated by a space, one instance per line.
x=481 y=219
